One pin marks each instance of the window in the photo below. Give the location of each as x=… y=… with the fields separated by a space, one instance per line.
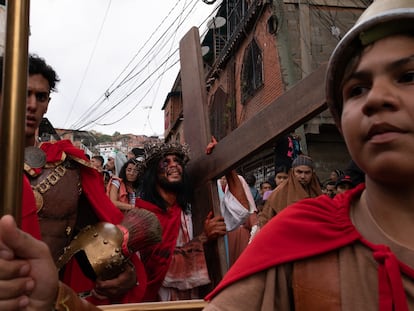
x=252 y=71
x=218 y=114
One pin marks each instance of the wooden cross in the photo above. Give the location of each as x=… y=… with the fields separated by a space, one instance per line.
x=299 y=104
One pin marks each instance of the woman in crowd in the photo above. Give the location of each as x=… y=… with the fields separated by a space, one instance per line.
x=123 y=190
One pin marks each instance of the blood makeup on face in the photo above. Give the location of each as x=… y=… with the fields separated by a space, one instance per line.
x=167 y=161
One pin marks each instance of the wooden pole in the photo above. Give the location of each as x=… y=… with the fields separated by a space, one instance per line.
x=13 y=107
x=182 y=305
x=197 y=134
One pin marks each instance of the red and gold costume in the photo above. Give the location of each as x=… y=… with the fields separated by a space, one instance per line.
x=76 y=199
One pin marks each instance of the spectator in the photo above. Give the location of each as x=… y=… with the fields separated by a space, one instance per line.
x=251 y=181
x=123 y=190
x=355 y=173
x=264 y=186
x=344 y=183
x=97 y=162
x=238 y=231
x=329 y=188
x=302 y=183
x=114 y=163
x=110 y=164
x=335 y=175
x=135 y=153
x=281 y=174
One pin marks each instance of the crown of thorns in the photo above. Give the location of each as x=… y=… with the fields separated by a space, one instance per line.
x=157 y=151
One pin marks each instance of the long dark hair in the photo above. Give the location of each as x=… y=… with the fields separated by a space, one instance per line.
x=122 y=174
x=149 y=189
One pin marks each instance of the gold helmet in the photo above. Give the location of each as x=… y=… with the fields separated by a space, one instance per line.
x=382 y=18
x=102 y=249
x=99 y=249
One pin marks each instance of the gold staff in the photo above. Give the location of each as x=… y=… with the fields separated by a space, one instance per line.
x=13 y=107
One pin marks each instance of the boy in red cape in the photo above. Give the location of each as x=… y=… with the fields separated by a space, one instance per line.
x=356 y=251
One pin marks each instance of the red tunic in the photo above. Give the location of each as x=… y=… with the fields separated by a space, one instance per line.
x=158 y=258
x=312 y=227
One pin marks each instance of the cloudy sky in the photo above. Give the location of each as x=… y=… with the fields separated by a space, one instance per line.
x=117 y=59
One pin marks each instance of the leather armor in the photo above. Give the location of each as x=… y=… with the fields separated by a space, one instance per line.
x=58 y=206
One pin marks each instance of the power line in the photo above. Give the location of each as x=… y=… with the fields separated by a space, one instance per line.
x=87 y=121
x=129 y=76
x=89 y=62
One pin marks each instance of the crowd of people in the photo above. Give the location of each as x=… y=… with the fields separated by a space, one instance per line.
x=344 y=244
x=123 y=189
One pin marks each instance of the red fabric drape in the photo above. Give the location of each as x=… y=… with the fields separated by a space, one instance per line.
x=30 y=223
x=318 y=225
x=157 y=260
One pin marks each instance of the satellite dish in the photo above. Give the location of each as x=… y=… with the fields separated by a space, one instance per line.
x=216 y=22
x=204 y=50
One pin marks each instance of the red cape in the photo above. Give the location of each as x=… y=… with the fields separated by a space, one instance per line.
x=311 y=227
x=157 y=259
x=93 y=188
x=30 y=223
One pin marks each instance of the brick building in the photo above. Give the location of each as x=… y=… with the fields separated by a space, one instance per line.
x=253 y=52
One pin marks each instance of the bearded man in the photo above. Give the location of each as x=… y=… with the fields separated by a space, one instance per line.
x=302 y=183
x=176 y=267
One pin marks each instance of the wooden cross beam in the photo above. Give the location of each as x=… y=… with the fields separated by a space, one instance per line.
x=197 y=134
x=299 y=104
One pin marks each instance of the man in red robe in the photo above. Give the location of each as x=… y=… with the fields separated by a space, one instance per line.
x=176 y=267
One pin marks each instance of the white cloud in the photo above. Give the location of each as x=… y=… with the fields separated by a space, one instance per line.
x=89 y=54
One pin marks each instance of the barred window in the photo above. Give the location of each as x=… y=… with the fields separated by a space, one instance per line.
x=218 y=114
x=252 y=71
